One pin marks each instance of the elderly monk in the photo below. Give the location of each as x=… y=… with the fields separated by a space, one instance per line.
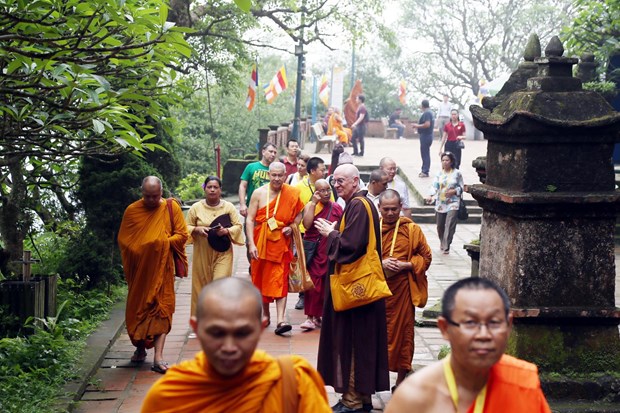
x=229 y=374
x=353 y=343
x=406 y=257
x=477 y=376
x=274 y=208
x=147 y=242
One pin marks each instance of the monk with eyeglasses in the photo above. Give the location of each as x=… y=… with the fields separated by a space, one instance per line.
x=477 y=376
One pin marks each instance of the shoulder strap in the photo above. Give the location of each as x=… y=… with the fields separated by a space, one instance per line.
x=411 y=224
x=169 y=205
x=290 y=399
x=372 y=241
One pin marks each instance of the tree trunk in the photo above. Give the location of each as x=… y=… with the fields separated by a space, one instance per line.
x=14 y=221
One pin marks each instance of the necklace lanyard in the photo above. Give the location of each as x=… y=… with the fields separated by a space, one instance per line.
x=277 y=203
x=393 y=237
x=454 y=394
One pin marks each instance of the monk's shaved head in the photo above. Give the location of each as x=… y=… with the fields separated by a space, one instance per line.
x=277 y=166
x=150 y=182
x=231 y=289
x=321 y=184
x=389 y=194
x=385 y=161
x=348 y=170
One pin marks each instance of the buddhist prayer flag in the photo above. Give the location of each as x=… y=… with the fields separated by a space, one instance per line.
x=276 y=86
x=402 y=92
x=324 y=91
x=249 y=101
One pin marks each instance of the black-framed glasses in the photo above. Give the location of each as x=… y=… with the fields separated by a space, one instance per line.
x=472 y=327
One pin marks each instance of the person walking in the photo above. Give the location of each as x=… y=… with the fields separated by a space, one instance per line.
x=425 y=129
x=453 y=135
x=446 y=190
x=214 y=225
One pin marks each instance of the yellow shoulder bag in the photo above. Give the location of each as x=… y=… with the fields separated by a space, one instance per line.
x=362 y=281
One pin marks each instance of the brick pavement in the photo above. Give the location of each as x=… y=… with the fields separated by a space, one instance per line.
x=119 y=386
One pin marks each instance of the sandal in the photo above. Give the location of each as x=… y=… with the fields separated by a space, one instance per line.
x=160 y=367
x=138 y=356
x=282 y=328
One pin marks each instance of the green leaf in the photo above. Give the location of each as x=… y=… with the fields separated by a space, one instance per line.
x=244 y=5
x=98 y=126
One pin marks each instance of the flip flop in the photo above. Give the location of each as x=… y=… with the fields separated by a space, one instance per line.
x=282 y=328
x=138 y=356
x=160 y=367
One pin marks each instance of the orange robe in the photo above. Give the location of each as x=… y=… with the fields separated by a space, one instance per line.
x=193 y=386
x=334 y=127
x=399 y=308
x=270 y=271
x=514 y=387
x=146 y=249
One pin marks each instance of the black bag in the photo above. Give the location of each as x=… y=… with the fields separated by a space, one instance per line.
x=309 y=250
x=462 y=214
x=461 y=144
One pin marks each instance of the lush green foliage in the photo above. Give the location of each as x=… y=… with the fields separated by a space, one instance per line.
x=595 y=29
x=34 y=369
x=79 y=78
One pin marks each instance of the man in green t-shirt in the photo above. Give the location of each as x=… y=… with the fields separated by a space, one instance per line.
x=254 y=176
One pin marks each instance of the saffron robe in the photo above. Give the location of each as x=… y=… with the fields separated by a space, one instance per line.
x=146 y=247
x=193 y=386
x=514 y=387
x=399 y=308
x=207 y=263
x=270 y=271
x=335 y=127
x=314 y=298
x=358 y=334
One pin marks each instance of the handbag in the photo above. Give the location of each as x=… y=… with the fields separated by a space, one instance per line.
x=180 y=263
x=462 y=214
x=461 y=144
x=362 y=281
x=298 y=277
x=418 y=286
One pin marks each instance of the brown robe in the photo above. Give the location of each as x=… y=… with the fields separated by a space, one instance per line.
x=359 y=333
x=399 y=308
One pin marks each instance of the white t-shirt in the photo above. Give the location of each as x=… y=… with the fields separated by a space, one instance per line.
x=401 y=187
x=444 y=109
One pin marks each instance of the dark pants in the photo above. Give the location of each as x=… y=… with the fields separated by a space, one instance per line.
x=453 y=146
x=358 y=136
x=425 y=151
x=401 y=129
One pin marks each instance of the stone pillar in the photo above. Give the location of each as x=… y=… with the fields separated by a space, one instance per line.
x=550 y=207
x=262 y=139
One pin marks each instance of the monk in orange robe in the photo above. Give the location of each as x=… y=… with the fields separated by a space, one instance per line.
x=335 y=127
x=229 y=374
x=147 y=239
x=406 y=257
x=273 y=209
x=477 y=376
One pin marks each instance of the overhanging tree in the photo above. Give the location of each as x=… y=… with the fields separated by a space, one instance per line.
x=78 y=79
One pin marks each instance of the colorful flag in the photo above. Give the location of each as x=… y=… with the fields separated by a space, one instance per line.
x=252 y=84
x=402 y=92
x=276 y=86
x=324 y=91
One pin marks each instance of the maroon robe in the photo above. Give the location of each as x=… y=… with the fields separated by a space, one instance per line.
x=314 y=299
x=359 y=333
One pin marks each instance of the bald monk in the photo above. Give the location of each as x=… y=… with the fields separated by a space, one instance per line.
x=229 y=374
x=273 y=209
x=475 y=319
x=406 y=257
x=147 y=241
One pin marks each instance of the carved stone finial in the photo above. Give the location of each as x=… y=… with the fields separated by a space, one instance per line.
x=587 y=57
x=554 y=48
x=532 y=48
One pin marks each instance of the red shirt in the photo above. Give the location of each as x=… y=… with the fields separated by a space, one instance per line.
x=291 y=168
x=454 y=130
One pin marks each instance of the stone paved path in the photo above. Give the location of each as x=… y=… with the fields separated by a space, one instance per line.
x=119 y=386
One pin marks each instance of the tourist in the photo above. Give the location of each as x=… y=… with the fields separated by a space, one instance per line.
x=425 y=129
x=290 y=159
x=302 y=171
x=453 y=137
x=395 y=122
x=359 y=126
x=443 y=114
x=446 y=191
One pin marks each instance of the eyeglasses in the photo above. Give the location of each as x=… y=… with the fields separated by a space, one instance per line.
x=473 y=327
x=340 y=181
